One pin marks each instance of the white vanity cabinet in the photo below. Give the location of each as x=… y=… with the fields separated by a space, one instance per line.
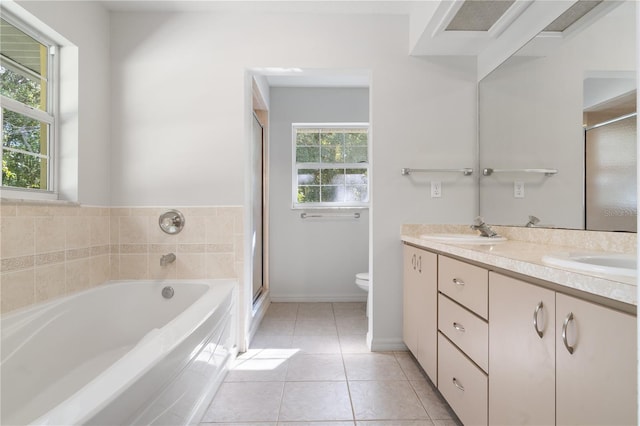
x=535 y=380
x=420 y=303
x=597 y=383
x=521 y=352
x=509 y=351
x=463 y=338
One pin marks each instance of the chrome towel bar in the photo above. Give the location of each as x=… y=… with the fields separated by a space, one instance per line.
x=546 y=172
x=319 y=215
x=407 y=171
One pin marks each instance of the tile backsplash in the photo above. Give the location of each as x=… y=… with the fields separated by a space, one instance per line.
x=53 y=249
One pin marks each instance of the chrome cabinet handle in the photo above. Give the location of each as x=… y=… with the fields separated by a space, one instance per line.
x=456 y=384
x=569 y=318
x=459 y=327
x=458 y=282
x=535 y=319
x=413 y=262
x=420 y=264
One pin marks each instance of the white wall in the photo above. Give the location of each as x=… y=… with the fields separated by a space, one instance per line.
x=531 y=117
x=312 y=259
x=180 y=112
x=85 y=142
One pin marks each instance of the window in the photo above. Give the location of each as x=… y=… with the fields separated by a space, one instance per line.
x=28 y=113
x=331 y=165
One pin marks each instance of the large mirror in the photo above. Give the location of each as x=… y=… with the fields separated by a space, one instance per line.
x=554 y=140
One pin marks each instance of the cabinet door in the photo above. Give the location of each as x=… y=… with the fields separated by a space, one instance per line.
x=410 y=305
x=428 y=313
x=420 y=307
x=596 y=384
x=521 y=362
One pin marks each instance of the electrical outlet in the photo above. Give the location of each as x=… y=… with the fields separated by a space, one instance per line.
x=518 y=189
x=436 y=189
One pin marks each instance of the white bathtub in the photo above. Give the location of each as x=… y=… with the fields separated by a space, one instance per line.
x=118 y=354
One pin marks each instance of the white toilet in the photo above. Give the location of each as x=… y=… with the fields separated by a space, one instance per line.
x=362 y=281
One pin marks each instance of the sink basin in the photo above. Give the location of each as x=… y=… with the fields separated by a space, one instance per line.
x=609 y=264
x=461 y=238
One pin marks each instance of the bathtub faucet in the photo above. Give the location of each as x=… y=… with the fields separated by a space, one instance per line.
x=166 y=259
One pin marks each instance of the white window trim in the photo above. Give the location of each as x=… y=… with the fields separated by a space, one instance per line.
x=294 y=169
x=50 y=116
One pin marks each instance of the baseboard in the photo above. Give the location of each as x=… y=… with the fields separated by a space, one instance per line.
x=386 y=344
x=318 y=298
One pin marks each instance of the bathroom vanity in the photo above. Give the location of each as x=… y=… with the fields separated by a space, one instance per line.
x=510 y=340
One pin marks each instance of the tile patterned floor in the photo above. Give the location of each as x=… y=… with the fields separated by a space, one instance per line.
x=309 y=365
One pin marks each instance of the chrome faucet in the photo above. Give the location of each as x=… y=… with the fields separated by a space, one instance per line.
x=484 y=229
x=533 y=221
x=166 y=259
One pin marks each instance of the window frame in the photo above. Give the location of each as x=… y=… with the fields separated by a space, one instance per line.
x=319 y=165
x=49 y=117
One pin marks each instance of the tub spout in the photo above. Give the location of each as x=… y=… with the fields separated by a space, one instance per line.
x=166 y=259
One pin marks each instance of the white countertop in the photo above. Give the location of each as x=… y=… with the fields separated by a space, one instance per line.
x=524 y=257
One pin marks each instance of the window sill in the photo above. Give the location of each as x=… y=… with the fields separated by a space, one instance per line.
x=298 y=207
x=26 y=197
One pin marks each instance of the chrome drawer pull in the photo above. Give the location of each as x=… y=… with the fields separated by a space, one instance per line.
x=458 y=327
x=459 y=386
x=569 y=318
x=535 y=319
x=458 y=282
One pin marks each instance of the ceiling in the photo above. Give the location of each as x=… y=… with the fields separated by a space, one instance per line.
x=490 y=30
x=267 y=6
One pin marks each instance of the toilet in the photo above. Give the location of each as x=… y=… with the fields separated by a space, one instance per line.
x=362 y=281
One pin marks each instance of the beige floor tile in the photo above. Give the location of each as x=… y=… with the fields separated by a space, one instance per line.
x=435 y=405
x=277 y=327
x=350 y=310
x=316 y=424
x=384 y=400
x=317 y=344
x=447 y=422
x=395 y=423
x=373 y=366
x=245 y=402
x=315 y=328
x=311 y=401
x=354 y=344
x=315 y=311
x=258 y=370
x=352 y=325
x=240 y=424
x=265 y=341
x=409 y=365
x=282 y=311
x=317 y=367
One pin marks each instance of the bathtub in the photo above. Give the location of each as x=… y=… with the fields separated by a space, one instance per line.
x=118 y=354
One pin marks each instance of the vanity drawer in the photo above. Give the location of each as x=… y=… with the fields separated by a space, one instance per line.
x=464 y=283
x=463 y=385
x=469 y=332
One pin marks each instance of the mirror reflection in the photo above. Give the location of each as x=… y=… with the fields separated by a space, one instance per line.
x=566 y=102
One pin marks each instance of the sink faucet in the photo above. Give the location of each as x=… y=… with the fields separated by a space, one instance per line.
x=533 y=221
x=484 y=229
x=166 y=259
